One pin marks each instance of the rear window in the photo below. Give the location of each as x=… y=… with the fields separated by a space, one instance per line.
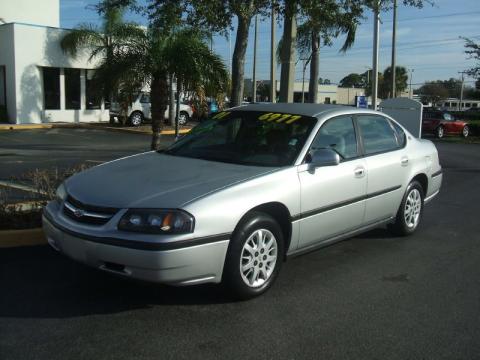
x=377 y=134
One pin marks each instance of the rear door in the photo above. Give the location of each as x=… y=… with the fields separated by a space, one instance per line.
x=333 y=197
x=387 y=164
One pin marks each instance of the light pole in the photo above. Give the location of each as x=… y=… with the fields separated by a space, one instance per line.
x=394 y=65
x=461 y=91
x=254 y=82
x=376 y=40
x=273 y=83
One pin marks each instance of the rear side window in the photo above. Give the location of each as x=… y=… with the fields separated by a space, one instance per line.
x=338 y=134
x=377 y=134
x=401 y=136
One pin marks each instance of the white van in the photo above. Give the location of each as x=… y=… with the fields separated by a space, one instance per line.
x=140 y=110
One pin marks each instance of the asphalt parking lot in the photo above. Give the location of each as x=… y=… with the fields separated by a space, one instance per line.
x=371 y=297
x=26 y=150
x=23 y=151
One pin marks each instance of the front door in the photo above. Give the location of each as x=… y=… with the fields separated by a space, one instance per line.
x=333 y=197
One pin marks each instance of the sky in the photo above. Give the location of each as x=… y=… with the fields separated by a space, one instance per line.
x=428 y=41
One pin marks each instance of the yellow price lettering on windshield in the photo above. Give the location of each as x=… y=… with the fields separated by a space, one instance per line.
x=221 y=115
x=287 y=118
x=292 y=119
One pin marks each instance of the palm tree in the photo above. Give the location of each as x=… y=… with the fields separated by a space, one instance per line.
x=151 y=55
x=103 y=44
x=325 y=20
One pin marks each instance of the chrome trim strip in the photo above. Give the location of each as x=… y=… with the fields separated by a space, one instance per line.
x=342 y=203
x=437 y=173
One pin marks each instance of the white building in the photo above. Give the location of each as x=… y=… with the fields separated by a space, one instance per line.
x=38 y=82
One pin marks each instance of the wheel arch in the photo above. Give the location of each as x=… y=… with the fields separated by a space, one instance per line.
x=423 y=180
x=277 y=211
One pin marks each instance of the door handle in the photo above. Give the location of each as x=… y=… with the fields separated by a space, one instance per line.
x=359 y=172
x=404 y=161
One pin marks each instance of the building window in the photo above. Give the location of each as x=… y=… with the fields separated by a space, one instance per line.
x=72 y=89
x=468 y=105
x=51 y=88
x=93 y=93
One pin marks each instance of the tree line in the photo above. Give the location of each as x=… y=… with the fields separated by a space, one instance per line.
x=175 y=43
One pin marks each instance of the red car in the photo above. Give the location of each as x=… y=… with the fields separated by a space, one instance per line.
x=442 y=123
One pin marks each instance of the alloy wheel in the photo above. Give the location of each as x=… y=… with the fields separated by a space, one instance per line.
x=136 y=119
x=182 y=119
x=413 y=207
x=440 y=132
x=258 y=258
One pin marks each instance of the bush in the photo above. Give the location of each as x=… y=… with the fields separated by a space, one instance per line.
x=28 y=213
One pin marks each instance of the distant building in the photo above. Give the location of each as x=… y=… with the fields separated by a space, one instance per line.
x=38 y=82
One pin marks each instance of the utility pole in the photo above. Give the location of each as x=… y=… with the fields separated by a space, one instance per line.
x=230 y=51
x=273 y=62
x=461 y=91
x=394 y=65
x=254 y=76
x=376 y=40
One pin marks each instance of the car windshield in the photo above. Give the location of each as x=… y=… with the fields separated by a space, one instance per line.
x=247 y=138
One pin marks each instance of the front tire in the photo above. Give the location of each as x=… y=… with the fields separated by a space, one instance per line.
x=254 y=256
x=465 y=131
x=410 y=211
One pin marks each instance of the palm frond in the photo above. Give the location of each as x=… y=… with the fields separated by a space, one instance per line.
x=86 y=35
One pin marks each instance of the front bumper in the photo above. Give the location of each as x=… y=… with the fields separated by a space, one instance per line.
x=190 y=265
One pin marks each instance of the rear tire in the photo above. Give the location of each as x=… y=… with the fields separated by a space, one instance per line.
x=254 y=256
x=440 y=132
x=410 y=211
x=465 y=131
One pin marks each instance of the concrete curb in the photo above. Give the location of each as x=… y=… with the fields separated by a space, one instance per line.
x=24 y=237
x=12 y=127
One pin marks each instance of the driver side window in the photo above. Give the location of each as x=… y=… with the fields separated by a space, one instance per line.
x=337 y=134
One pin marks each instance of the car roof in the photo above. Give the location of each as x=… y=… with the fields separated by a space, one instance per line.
x=313 y=110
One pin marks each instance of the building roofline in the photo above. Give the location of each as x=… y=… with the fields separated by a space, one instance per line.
x=33 y=25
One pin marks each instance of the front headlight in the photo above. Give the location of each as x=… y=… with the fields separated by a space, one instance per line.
x=157 y=221
x=61 y=194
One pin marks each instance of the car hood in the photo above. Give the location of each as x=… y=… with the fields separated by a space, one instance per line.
x=155 y=180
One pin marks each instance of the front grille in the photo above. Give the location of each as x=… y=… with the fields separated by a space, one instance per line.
x=87 y=214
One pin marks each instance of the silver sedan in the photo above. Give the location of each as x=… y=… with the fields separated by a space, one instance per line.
x=231 y=200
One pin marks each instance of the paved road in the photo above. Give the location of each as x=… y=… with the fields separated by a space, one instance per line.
x=371 y=297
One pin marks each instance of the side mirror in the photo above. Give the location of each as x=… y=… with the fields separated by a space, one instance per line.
x=323 y=157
